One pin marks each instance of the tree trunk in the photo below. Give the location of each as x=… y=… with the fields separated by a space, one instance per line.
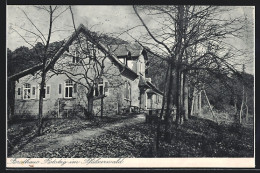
x=90 y=105
x=185 y=98
x=181 y=99
x=168 y=117
x=194 y=102
x=10 y=99
x=199 y=104
x=42 y=92
x=179 y=54
x=102 y=104
x=158 y=134
x=241 y=108
x=189 y=101
x=177 y=96
x=246 y=109
x=213 y=116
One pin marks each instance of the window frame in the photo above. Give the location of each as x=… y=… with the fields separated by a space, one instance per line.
x=60 y=89
x=103 y=84
x=68 y=86
x=27 y=88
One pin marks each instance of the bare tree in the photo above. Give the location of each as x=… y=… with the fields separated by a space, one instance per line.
x=90 y=53
x=45 y=55
x=190 y=38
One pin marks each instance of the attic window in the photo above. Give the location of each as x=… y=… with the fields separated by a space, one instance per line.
x=91 y=49
x=75 y=58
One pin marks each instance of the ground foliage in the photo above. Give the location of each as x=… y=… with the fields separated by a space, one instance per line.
x=196 y=138
x=22 y=132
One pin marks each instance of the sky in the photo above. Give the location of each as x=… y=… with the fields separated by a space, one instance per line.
x=103 y=19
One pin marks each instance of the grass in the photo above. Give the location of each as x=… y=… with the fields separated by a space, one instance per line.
x=196 y=138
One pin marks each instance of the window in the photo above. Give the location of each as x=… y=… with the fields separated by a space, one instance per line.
x=91 y=49
x=26 y=91
x=74 y=53
x=127 y=91
x=68 y=89
x=101 y=88
x=19 y=92
x=75 y=58
x=33 y=92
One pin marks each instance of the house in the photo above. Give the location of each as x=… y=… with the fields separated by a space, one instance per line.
x=122 y=86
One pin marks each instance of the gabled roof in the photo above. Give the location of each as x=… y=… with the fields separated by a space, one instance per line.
x=126 y=71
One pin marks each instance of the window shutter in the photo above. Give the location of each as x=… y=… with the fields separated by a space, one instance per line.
x=59 y=88
x=33 y=95
x=48 y=89
x=106 y=88
x=75 y=88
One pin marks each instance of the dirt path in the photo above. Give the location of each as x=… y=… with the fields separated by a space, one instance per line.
x=58 y=141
